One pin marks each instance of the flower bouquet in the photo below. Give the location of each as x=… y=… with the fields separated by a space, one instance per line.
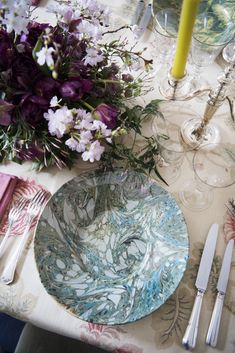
x=65 y=90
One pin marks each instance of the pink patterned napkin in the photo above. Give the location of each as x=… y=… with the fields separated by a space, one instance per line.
x=35 y=2
x=7 y=186
x=27 y=188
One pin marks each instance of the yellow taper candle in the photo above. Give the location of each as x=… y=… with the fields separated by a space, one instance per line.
x=187 y=19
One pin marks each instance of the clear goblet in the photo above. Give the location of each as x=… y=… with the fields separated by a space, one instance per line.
x=211 y=34
x=214 y=167
x=171 y=151
x=165 y=28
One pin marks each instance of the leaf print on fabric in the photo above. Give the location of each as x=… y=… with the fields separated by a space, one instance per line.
x=14 y=301
x=170 y=321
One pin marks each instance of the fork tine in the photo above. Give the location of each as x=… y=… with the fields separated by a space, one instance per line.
x=38 y=197
x=20 y=204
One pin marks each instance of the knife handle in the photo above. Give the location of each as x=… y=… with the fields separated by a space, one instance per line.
x=213 y=330
x=190 y=336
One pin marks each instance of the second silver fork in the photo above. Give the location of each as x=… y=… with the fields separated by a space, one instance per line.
x=32 y=211
x=13 y=217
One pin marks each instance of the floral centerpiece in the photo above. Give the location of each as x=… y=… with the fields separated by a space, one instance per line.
x=63 y=95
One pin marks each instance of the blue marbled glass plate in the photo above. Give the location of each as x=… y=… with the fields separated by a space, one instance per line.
x=111 y=247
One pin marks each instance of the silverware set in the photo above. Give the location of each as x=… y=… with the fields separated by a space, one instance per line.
x=33 y=208
x=190 y=336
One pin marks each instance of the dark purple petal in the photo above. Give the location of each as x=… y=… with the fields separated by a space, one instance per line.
x=47 y=88
x=108 y=114
x=75 y=88
x=32 y=109
x=6 y=50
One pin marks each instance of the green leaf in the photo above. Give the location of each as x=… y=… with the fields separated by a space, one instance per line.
x=152 y=107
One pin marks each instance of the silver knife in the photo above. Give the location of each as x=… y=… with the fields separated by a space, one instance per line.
x=213 y=330
x=190 y=336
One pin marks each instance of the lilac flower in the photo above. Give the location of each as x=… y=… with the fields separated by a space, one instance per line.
x=59 y=121
x=75 y=88
x=93 y=57
x=108 y=114
x=94 y=152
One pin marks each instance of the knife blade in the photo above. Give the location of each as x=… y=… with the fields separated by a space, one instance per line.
x=213 y=330
x=190 y=336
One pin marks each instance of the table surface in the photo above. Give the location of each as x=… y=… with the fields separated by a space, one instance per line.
x=28 y=300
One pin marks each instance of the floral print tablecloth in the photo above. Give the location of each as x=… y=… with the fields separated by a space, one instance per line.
x=162 y=331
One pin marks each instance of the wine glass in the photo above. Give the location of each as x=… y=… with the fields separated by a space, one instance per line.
x=171 y=150
x=211 y=34
x=165 y=29
x=214 y=167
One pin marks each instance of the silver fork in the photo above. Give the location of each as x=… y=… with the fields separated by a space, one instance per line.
x=33 y=210
x=13 y=216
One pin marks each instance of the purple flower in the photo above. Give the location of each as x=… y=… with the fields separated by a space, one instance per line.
x=5 y=115
x=107 y=114
x=47 y=87
x=25 y=72
x=6 y=50
x=32 y=109
x=34 y=31
x=75 y=88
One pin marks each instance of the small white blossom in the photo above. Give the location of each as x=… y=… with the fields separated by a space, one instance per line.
x=54 y=102
x=45 y=57
x=94 y=153
x=93 y=57
x=72 y=143
x=100 y=126
x=89 y=30
x=59 y=121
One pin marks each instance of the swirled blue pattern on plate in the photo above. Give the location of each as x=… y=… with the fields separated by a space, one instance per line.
x=111 y=247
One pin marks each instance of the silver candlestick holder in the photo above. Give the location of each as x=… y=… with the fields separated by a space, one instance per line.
x=196 y=132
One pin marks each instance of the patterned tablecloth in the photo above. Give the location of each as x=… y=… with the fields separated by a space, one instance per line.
x=28 y=300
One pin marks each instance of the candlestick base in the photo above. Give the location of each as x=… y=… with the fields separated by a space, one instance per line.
x=208 y=133
x=175 y=89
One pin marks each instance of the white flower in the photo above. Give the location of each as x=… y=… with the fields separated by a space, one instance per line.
x=72 y=143
x=93 y=57
x=85 y=120
x=94 y=153
x=16 y=15
x=54 y=102
x=84 y=140
x=45 y=56
x=59 y=121
x=102 y=128
x=89 y=30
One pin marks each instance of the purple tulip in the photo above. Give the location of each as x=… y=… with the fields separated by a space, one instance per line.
x=25 y=72
x=74 y=89
x=32 y=109
x=108 y=114
x=47 y=87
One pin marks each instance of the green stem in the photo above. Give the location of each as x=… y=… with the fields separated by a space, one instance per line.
x=107 y=81
x=87 y=105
